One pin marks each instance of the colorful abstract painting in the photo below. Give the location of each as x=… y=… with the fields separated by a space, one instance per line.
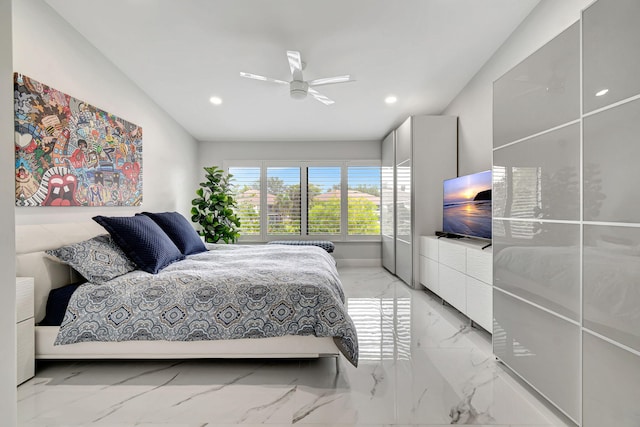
x=70 y=153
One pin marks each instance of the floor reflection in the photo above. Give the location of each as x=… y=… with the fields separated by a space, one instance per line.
x=384 y=327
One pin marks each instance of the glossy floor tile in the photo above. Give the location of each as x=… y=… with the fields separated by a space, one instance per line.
x=421 y=364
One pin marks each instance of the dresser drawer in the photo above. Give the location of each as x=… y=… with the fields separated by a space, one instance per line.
x=453 y=287
x=480 y=303
x=429 y=276
x=480 y=265
x=453 y=255
x=429 y=247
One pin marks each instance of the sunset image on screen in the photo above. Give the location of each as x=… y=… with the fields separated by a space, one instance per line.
x=467 y=205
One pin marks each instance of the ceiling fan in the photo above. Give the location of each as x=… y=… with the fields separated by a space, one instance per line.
x=298 y=87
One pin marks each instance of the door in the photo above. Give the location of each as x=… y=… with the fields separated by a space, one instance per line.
x=404 y=232
x=388 y=203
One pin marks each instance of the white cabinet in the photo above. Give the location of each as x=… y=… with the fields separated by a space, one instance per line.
x=461 y=273
x=479 y=302
x=453 y=287
x=25 y=329
x=429 y=274
x=416 y=158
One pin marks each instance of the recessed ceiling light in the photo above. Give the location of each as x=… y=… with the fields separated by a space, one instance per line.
x=390 y=99
x=215 y=100
x=602 y=92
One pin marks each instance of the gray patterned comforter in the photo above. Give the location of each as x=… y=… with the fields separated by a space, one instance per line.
x=231 y=291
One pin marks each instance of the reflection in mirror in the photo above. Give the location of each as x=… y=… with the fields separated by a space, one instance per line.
x=611 y=272
x=540 y=262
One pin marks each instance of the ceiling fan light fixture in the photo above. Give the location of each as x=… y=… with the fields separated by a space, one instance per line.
x=298 y=89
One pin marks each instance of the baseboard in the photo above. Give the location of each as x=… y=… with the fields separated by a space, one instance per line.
x=356 y=262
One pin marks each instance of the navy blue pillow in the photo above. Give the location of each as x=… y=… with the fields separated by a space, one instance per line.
x=142 y=240
x=179 y=230
x=57 y=304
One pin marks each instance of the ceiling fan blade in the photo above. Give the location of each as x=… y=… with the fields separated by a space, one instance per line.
x=263 y=78
x=331 y=80
x=320 y=97
x=295 y=64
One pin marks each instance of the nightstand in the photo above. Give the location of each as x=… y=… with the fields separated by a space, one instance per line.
x=25 y=334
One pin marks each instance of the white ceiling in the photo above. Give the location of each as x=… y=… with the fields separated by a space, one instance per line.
x=183 y=52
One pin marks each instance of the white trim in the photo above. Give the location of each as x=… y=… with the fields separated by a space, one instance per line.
x=358 y=262
x=355 y=238
x=535 y=135
x=581 y=214
x=288 y=346
x=613 y=224
x=226 y=164
x=304 y=202
x=611 y=341
x=364 y=163
x=344 y=201
x=538 y=306
x=610 y=106
x=550 y=221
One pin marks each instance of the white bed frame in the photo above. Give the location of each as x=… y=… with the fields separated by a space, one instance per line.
x=31 y=261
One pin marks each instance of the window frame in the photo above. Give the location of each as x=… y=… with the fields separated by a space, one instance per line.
x=344 y=165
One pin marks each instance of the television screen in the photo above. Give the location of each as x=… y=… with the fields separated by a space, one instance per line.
x=467 y=205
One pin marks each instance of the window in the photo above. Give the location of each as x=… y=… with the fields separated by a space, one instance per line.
x=246 y=185
x=307 y=199
x=324 y=200
x=364 y=201
x=283 y=200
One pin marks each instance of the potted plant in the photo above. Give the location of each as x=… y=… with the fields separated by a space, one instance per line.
x=214 y=208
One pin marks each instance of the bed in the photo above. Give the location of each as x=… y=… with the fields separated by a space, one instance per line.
x=262 y=339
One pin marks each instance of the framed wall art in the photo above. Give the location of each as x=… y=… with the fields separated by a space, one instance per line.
x=70 y=153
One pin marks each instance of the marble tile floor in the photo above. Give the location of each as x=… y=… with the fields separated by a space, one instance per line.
x=421 y=364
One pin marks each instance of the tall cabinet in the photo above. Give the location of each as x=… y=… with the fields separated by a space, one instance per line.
x=566 y=227
x=416 y=158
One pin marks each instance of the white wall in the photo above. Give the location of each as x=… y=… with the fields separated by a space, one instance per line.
x=474 y=104
x=7 y=235
x=49 y=50
x=215 y=153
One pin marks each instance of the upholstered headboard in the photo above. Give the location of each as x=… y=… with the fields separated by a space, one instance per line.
x=31 y=261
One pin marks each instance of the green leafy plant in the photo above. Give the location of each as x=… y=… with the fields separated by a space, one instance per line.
x=214 y=208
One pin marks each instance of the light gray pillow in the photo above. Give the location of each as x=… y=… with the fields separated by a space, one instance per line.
x=98 y=259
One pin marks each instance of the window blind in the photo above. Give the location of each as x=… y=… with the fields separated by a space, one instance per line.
x=246 y=186
x=323 y=200
x=363 y=199
x=283 y=200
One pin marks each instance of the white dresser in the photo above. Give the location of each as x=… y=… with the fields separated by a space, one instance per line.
x=461 y=273
x=25 y=325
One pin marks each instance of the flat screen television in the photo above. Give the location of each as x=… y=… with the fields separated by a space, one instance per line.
x=467 y=206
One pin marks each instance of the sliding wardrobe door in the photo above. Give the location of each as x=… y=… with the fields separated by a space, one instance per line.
x=388 y=202
x=611 y=242
x=536 y=221
x=404 y=247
